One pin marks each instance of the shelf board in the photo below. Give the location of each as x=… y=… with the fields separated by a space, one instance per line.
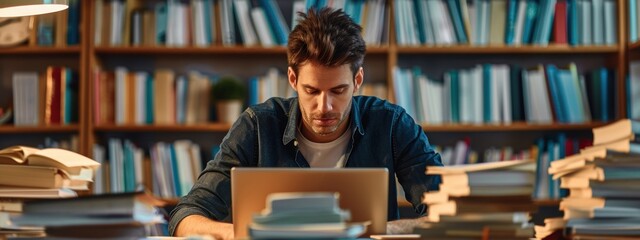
x=39 y=129
x=634 y=46
x=518 y=126
x=41 y=50
x=239 y=50
x=191 y=50
x=212 y=127
x=466 y=49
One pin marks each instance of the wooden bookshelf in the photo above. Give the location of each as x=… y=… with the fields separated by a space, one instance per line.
x=40 y=129
x=236 y=50
x=634 y=46
x=551 y=49
x=26 y=50
x=213 y=127
x=513 y=127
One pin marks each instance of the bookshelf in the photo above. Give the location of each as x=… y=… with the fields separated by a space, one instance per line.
x=245 y=62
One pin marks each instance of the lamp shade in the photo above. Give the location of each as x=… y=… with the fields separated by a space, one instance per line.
x=19 y=8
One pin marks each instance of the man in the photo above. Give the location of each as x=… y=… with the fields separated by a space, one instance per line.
x=325 y=126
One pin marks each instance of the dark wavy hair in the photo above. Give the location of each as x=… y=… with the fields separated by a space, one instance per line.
x=328 y=37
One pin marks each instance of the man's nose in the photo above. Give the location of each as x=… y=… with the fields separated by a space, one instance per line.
x=325 y=102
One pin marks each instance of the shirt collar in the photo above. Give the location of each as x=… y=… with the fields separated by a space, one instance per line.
x=294 y=117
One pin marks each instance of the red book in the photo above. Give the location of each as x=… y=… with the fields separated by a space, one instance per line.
x=53 y=96
x=560 y=23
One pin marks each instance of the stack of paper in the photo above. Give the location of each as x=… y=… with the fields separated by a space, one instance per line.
x=96 y=216
x=304 y=215
x=603 y=181
x=476 y=197
x=27 y=172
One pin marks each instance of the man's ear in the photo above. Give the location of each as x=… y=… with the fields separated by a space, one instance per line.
x=292 y=78
x=359 y=78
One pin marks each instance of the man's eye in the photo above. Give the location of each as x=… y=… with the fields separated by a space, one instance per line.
x=338 y=91
x=311 y=91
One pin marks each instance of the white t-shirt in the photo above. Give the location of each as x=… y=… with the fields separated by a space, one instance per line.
x=324 y=155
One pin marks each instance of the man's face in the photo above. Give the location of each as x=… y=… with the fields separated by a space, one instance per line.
x=324 y=96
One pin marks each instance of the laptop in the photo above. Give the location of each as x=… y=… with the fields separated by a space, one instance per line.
x=363 y=191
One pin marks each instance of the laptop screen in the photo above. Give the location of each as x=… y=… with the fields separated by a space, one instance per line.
x=363 y=191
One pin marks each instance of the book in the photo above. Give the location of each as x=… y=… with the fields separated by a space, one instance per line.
x=42 y=177
x=65 y=160
x=513 y=165
x=106 y=209
x=15 y=192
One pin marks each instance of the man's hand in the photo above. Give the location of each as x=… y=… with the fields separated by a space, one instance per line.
x=202 y=226
x=403 y=226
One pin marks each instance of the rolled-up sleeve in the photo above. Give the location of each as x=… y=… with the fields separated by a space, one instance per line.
x=211 y=194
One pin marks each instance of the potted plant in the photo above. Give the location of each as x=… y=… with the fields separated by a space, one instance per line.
x=228 y=94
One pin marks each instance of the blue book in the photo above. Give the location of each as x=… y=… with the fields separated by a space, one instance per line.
x=253 y=90
x=604 y=93
x=129 y=167
x=541 y=172
x=633 y=21
x=456 y=17
x=628 y=93
x=175 y=170
x=562 y=143
x=73 y=22
x=486 y=92
x=148 y=103
x=455 y=96
x=215 y=149
x=70 y=97
x=418 y=8
x=545 y=31
x=554 y=185
x=276 y=20
x=161 y=23
x=555 y=92
x=572 y=22
x=529 y=21
x=510 y=25
x=209 y=29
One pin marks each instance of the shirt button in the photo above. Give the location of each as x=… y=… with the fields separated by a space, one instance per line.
x=295 y=143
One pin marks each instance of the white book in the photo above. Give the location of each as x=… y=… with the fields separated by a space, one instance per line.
x=99 y=155
x=247 y=31
x=141 y=97
x=466 y=96
x=298 y=6
x=610 y=26
x=117 y=22
x=185 y=171
x=506 y=93
x=97 y=22
x=198 y=22
x=597 y=14
x=400 y=24
x=634 y=85
x=121 y=95
x=520 y=18
x=478 y=109
x=586 y=33
x=496 y=93
x=265 y=33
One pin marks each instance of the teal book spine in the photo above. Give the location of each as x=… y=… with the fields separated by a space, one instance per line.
x=486 y=93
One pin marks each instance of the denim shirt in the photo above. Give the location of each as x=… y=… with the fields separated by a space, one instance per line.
x=383 y=135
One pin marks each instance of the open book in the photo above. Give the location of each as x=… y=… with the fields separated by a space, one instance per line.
x=47 y=168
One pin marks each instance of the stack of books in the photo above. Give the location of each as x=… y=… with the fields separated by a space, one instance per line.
x=471 y=201
x=304 y=215
x=27 y=172
x=603 y=181
x=124 y=215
